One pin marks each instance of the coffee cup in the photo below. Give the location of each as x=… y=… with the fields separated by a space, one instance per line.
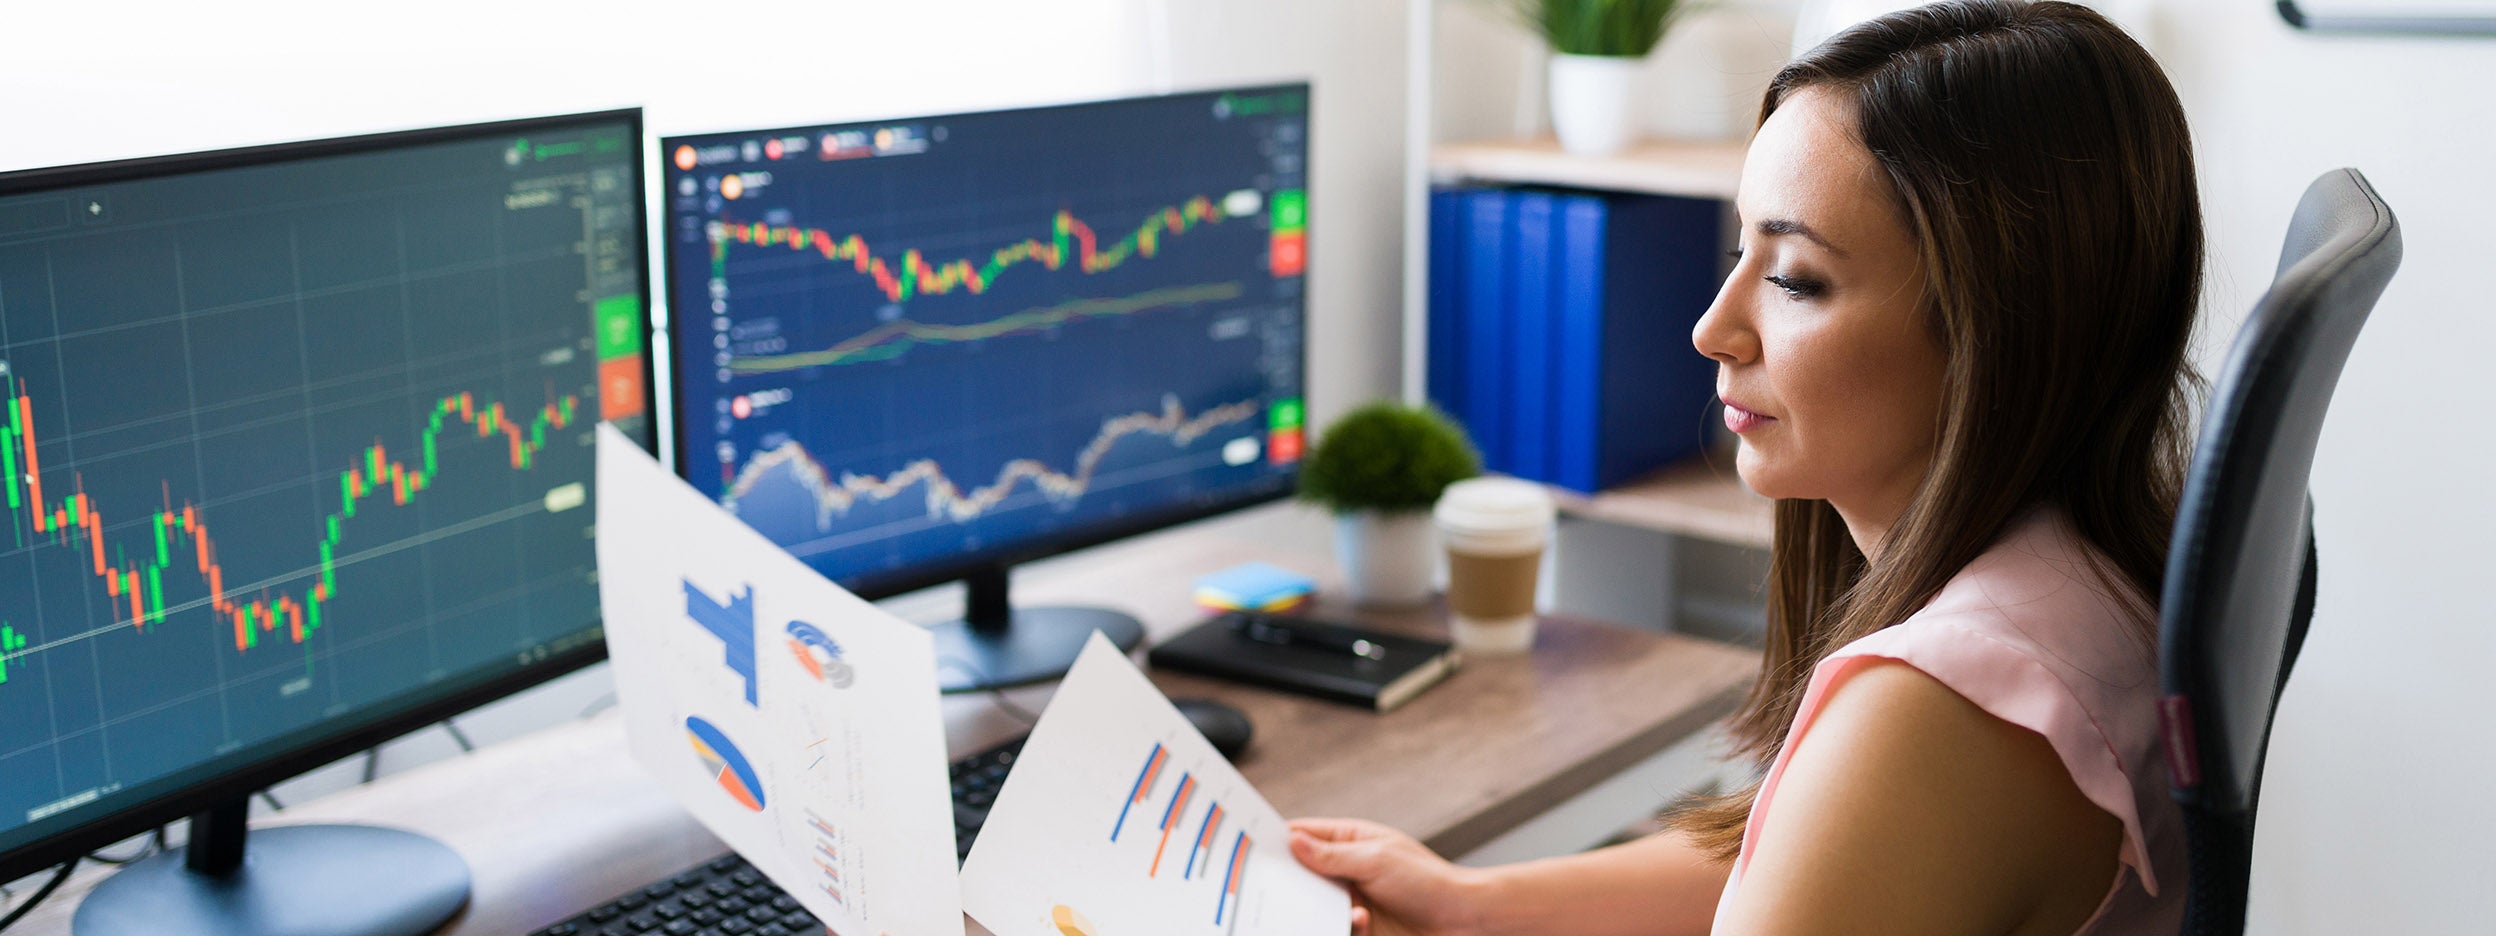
x=1494 y=531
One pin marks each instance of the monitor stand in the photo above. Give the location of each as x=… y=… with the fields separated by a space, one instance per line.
x=996 y=645
x=306 y=880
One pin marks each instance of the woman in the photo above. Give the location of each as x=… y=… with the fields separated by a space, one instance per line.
x=1953 y=346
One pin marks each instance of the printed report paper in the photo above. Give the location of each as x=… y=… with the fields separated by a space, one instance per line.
x=1120 y=820
x=798 y=722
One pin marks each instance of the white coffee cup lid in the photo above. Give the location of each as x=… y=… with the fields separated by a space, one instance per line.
x=1496 y=512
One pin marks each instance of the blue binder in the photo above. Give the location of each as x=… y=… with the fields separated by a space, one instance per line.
x=1486 y=376
x=1446 y=363
x=1629 y=393
x=1577 y=339
x=1531 y=285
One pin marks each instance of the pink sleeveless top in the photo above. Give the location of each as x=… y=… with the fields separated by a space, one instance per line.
x=2029 y=633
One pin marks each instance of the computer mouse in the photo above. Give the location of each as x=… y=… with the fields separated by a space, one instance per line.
x=1228 y=728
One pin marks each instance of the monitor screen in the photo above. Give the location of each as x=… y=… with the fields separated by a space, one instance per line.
x=913 y=347
x=296 y=441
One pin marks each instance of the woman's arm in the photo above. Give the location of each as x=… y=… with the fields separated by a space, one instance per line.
x=1656 y=886
x=1660 y=885
x=1905 y=808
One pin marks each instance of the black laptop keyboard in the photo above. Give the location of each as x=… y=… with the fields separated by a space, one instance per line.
x=975 y=782
x=727 y=897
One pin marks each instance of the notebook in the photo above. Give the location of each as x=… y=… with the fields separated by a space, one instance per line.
x=1331 y=661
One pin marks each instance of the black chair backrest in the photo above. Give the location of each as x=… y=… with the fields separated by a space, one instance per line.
x=2241 y=568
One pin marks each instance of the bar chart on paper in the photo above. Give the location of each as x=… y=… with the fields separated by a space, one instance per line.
x=1202 y=847
x=1119 y=818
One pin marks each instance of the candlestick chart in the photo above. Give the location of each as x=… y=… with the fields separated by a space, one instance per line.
x=287 y=448
x=1071 y=244
x=182 y=540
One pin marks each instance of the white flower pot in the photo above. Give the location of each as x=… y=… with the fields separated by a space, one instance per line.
x=1386 y=557
x=1590 y=102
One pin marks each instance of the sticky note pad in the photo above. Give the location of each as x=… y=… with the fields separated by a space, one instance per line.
x=1253 y=586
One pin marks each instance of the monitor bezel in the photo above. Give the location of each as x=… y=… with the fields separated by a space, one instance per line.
x=926 y=575
x=74 y=842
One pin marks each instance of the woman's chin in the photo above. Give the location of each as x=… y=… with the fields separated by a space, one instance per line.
x=1759 y=472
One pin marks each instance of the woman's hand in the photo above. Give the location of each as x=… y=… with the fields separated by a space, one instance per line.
x=1399 y=886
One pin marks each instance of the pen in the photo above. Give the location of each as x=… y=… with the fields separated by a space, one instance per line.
x=1270 y=630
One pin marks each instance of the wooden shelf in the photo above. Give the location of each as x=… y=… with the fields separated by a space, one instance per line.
x=1689 y=499
x=1700 y=170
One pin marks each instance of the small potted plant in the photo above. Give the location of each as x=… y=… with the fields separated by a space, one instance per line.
x=1597 y=47
x=1379 y=469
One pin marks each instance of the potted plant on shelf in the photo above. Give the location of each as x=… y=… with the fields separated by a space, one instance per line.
x=1379 y=469
x=1597 y=47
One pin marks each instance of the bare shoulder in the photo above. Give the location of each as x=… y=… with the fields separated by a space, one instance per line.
x=1905 y=808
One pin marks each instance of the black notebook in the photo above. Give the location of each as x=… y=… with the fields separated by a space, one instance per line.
x=1331 y=661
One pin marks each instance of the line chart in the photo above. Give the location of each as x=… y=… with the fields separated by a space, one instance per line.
x=897 y=337
x=947 y=500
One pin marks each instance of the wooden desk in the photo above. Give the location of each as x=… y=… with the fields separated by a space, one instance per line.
x=562 y=820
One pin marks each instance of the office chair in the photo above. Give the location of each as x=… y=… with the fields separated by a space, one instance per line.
x=2241 y=567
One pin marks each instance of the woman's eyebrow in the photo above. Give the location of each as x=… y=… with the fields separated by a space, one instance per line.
x=1773 y=227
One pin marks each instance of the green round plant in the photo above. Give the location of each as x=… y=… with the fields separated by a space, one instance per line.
x=1622 y=28
x=1389 y=458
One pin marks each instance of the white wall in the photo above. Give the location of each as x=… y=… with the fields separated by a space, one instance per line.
x=2375 y=816
x=1703 y=82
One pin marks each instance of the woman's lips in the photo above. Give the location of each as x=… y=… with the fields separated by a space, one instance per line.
x=1741 y=420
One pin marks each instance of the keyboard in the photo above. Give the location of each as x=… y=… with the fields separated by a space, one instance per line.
x=727 y=897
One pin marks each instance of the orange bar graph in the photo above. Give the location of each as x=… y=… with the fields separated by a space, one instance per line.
x=1170 y=818
x=1204 y=839
x=1143 y=785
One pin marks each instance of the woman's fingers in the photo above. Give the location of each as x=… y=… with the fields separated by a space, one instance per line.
x=1352 y=860
x=1360 y=921
x=1334 y=830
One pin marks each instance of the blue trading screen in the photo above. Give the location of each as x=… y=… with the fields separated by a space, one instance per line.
x=912 y=344
x=294 y=443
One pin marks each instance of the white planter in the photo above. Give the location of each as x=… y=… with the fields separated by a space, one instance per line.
x=1386 y=558
x=1590 y=102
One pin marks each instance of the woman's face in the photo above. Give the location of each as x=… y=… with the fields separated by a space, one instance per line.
x=1828 y=369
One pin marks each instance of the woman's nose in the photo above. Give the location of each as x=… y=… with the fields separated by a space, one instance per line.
x=1724 y=333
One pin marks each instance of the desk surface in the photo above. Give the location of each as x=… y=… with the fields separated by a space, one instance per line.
x=562 y=820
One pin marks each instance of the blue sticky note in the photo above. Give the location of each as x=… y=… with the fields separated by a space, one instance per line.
x=1255 y=584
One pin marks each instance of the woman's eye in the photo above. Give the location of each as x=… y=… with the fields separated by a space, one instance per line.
x=1795 y=287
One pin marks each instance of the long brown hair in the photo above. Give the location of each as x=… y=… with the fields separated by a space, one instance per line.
x=2041 y=159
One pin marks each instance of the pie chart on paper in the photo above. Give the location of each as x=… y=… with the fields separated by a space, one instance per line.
x=721 y=757
x=1070 y=923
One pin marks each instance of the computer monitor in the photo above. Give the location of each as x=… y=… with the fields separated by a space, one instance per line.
x=925 y=349
x=296 y=458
